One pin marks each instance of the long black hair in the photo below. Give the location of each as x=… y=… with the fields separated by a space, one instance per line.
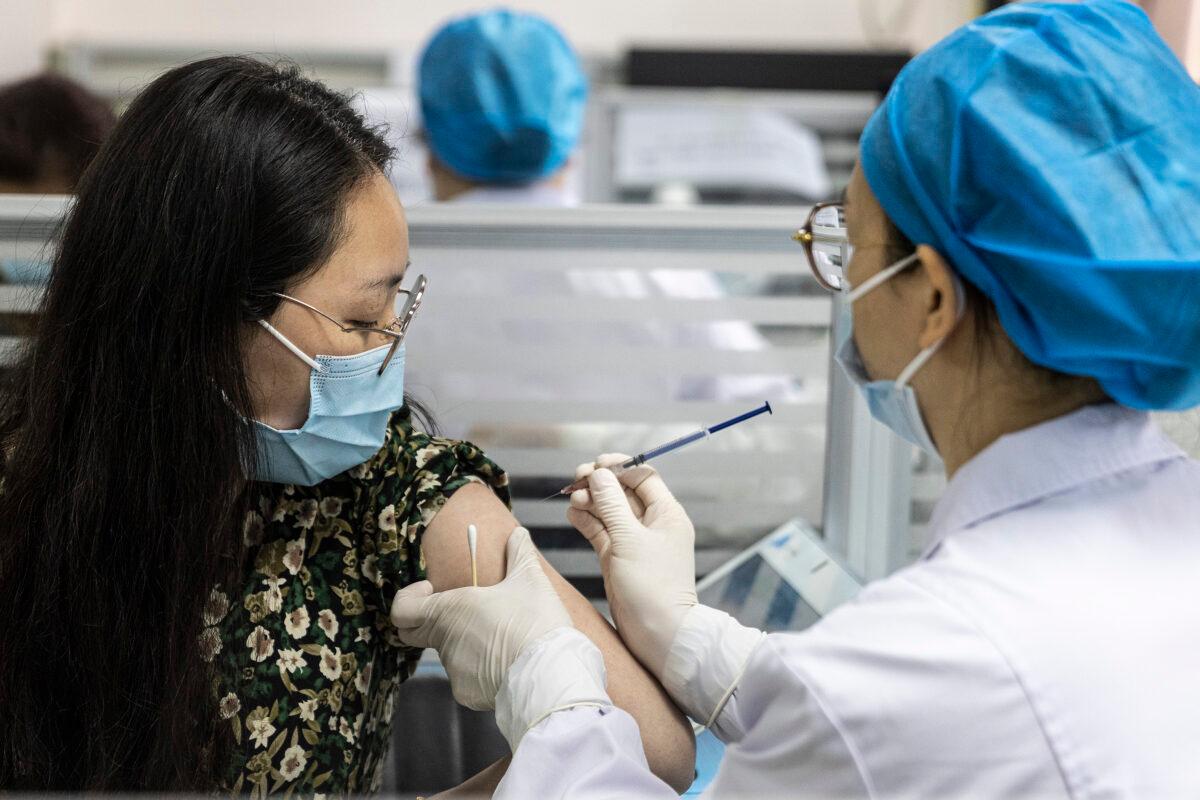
x=125 y=450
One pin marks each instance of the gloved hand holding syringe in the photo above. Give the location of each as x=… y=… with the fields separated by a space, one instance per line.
x=670 y=446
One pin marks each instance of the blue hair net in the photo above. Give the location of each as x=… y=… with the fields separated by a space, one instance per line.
x=502 y=96
x=1051 y=153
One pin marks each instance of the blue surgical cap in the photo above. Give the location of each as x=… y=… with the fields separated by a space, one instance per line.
x=1051 y=153
x=502 y=96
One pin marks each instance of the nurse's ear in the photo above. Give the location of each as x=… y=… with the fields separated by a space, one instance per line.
x=941 y=297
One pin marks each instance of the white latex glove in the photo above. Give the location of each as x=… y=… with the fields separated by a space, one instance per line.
x=646 y=545
x=479 y=631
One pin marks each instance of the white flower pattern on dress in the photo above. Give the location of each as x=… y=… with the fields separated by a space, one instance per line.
x=216 y=608
x=291 y=661
x=296 y=623
x=293 y=559
x=259 y=726
x=362 y=681
x=293 y=763
x=331 y=663
x=261 y=645
x=230 y=705
x=312 y=709
x=387 y=519
x=307 y=707
x=210 y=644
x=328 y=623
x=274 y=595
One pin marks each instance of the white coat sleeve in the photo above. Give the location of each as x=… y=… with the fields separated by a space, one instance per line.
x=777 y=732
x=568 y=739
x=582 y=753
x=897 y=693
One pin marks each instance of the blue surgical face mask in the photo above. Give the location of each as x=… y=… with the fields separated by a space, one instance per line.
x=894 y=402
x=348 y=410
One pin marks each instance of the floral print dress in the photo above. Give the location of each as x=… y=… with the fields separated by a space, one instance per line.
x=306 y=664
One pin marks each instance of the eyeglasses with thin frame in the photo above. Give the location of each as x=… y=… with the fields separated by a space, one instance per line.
x=395 y=330
x=826 y=245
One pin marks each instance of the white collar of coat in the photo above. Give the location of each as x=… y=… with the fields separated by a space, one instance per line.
x=1020 y=468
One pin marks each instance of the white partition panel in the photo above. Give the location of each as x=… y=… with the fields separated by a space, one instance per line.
x=551 y=336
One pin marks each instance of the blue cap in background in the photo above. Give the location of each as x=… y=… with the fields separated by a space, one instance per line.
x=502 y=96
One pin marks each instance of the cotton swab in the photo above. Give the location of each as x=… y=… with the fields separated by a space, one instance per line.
x=472 y=542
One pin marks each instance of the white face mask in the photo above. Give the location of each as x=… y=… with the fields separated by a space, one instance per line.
x=348 y=410
x=894 y=403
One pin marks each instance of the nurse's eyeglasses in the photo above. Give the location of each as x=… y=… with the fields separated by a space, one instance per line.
x=395 y=330
x=825 y=243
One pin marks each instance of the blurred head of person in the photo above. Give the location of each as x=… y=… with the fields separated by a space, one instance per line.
x=502 y=100
x=50 y=129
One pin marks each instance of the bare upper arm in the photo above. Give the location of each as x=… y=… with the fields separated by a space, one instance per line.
x=666 y=735
x=447 y=558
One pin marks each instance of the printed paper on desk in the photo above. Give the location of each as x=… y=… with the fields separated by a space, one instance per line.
x=719 y=148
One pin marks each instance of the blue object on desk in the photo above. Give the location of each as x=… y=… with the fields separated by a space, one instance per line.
x=24 y=270
x=709 y=752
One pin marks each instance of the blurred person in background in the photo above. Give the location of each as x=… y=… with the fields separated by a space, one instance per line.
x=50 y=129
x=502 y=96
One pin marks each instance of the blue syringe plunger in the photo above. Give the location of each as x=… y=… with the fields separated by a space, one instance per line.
x=674 y=444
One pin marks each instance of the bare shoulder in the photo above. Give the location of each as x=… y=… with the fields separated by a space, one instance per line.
x=447 y=557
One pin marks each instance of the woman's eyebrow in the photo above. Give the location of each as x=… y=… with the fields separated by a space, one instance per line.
x=387 y=281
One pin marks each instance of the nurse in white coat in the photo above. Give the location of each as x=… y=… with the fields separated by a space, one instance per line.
x=1043 y=160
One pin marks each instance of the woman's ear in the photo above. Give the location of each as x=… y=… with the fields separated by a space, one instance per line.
x=941 y=313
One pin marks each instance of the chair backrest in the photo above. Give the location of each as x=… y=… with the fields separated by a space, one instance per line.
x=439 y=743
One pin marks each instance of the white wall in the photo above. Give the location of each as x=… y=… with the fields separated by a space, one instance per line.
x=29 y=28
x=596 y=26
x=26 y=28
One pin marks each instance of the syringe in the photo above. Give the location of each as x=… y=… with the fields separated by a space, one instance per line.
x=675 y=444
